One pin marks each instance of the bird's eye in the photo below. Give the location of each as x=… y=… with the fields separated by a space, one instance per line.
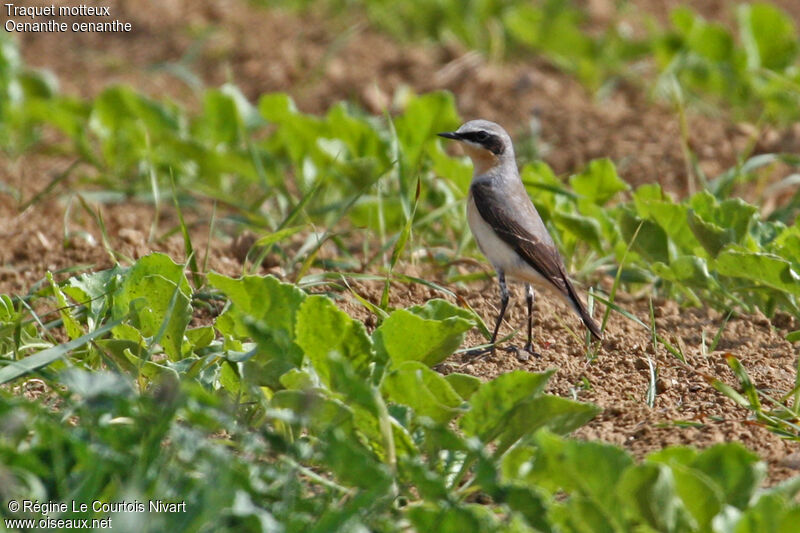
x=481 y=136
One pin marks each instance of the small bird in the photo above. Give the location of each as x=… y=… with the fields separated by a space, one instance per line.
x=507 y=227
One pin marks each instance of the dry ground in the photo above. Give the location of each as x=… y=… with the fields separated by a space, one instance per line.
x=265 y=50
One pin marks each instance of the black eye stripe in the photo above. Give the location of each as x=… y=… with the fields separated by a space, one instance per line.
x=491 y=142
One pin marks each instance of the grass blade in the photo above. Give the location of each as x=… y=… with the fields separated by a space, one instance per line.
x=15 y=369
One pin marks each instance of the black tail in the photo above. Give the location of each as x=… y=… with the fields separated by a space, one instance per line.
x=591 y=325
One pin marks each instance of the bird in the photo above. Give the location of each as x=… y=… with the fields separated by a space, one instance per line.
x=507 y=227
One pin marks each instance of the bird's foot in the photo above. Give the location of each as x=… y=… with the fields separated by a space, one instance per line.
x=524 y=353
x=478 y=353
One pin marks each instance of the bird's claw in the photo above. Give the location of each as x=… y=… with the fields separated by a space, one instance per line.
x=524 y=353
x=478 y=353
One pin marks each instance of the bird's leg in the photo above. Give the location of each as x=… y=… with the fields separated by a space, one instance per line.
x=501 y=277
x=529 y=299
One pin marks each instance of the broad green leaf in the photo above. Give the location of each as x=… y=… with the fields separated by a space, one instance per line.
x=529 y=503
x=789 y=521
x=456 y=170
x=738 y=215
x=671 y=217
x=200 y=337
x=651 y=240
x=731 y=219
x=649 y=494
x=156 y=293
x=413 y=384
x=736 y=471
x=582 y=514
x=264 y=308
x=495 y=402
x=314 y=409
x=92 y=289
x=584 y=228
x=764 y=516
x=712 y=237
x=430 y=484
x=787 y=244
x=352 y=463
x=712 y=41
x=452 y=519
x=769 y=36
x=429 y=333
x=324 y=330
x=559 y=415
x=464 y=384
x=598 y=182
x=688 y=269
x=220 y=121
x=699 y=494
x=423 y=117
x=766 y=269
x=580 y=468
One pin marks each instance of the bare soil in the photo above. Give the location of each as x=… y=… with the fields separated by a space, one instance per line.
x=318 y=64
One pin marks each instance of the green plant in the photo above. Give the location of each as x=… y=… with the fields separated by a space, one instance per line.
x=296 y=418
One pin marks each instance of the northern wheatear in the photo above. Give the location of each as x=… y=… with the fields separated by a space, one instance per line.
x=506 y=225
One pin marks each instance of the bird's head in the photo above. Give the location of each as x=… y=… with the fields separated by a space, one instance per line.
x=485 y=142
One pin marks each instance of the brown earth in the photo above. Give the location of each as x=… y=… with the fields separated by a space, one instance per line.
x=320 y=63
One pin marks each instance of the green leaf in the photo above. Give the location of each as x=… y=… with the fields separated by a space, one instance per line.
x=220 y=121
x=71 y=325
x=92 y=289
x=315 y=409
x=429 y=333
x=559 y=415
x=413 y=384
x=464 y=384
x=452 y=519
x=156 y=293
x=766 y=269
x=324 y=330
x=651 y=241
x=422 y=118
x=598 y=182
x=699 y=495
x=584 y=228
x=578 y=467
x=15 y=369
x=688 y=269
x=495 y=402
x=353 y=464
x=648 y=490
x=789 y=521
x=735 y=470
x=712 y=237
x=765 y=515
x=769 y=36
x=263 y=307
x=673 y=219
x=200 y=337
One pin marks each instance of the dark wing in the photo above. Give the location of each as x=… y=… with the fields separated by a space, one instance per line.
x=503 y=214
x=537 y=250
